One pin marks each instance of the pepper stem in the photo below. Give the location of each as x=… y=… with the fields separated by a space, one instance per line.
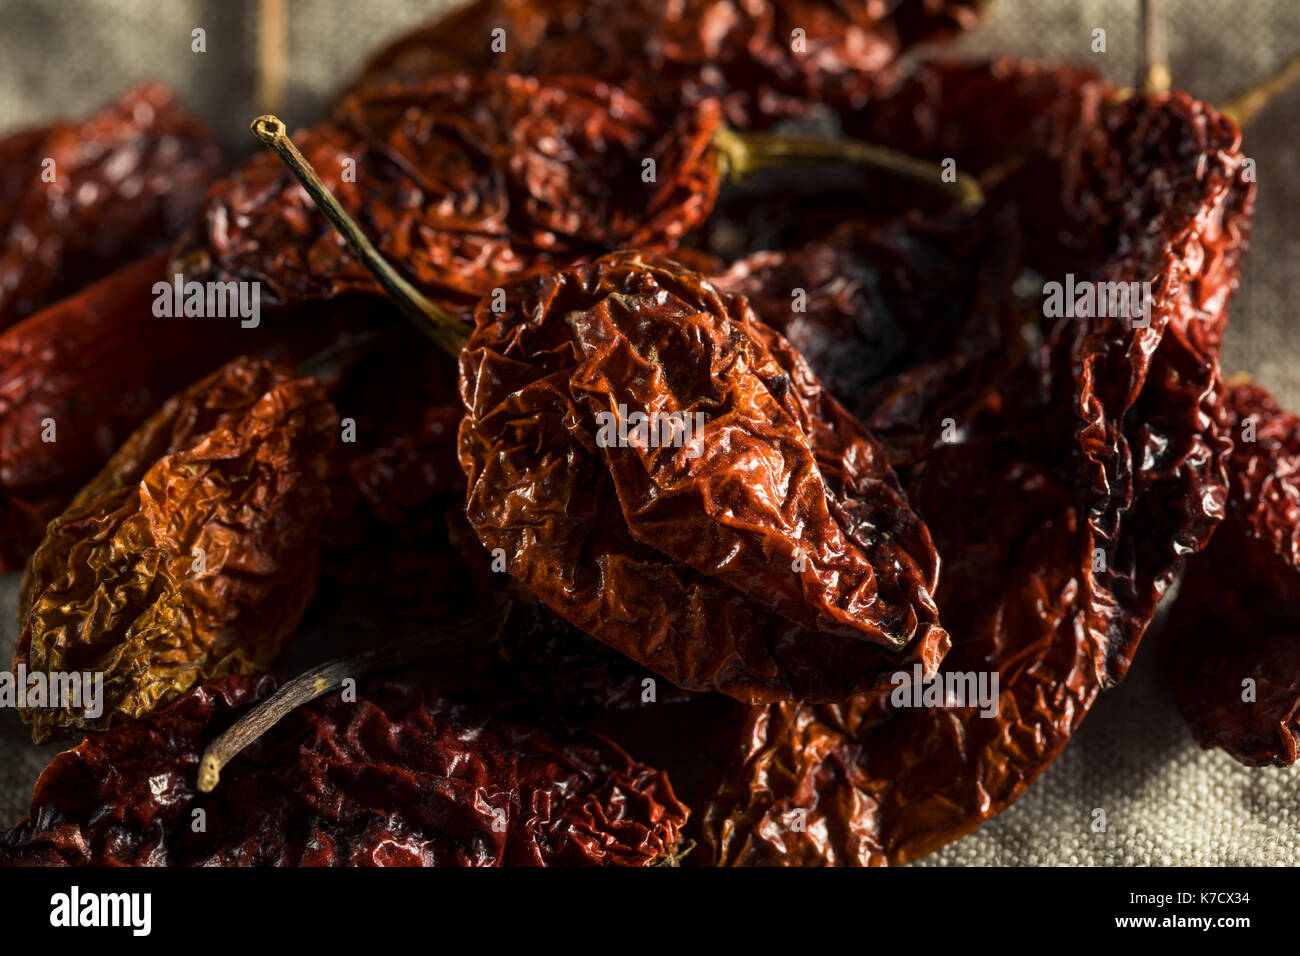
x=742 y=153
x=329 y=676
x=1153 y=65
x=447 y=332
x=1244 y=108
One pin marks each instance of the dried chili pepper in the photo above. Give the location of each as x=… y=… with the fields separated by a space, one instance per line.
x=911 y=323
x=191 y=555
x=1140 y=391
x=404 y=777
x=470 y=182
x=82 y=199
x=791 y=522
x=78 y=377
x=1015 y=504
x=770 y=556
x=765 y=61
x=466 y=182
x=1236 y=618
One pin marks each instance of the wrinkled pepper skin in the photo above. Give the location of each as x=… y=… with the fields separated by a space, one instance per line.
x=234 y=467
x=90 y=369
x=771 y=556
x=124 y=182
x=1110 y=437
x=910 y=322
x=464 y=183
x=1148 y=437
x=402 y=777
x=740 y=53
x=1237 y=615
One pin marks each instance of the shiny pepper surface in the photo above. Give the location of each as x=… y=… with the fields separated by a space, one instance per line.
x=191 y=555
x=122 y=183
x=1070 y=499
x=465 y=183
x=1233 y=636
x=768 y=554
x=401 y=777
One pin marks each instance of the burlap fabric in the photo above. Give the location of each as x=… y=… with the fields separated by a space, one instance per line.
x=1166 y=801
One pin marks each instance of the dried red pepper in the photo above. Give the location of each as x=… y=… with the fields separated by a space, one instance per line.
x=403 y=777
x=1015 y=504
x=911 y=323
x=1236 y=617
x=790 y=514
x=78 y=377
x=192 y=554
x=1139 y=393
x=466 y=183
x=121 y=184
x=470 y=182
x=765 y=61
x=781 y=561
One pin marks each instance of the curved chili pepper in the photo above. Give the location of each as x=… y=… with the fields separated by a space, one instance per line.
x=82 y=199
x=1236 y=618
x=191 y=555
x=403 y=777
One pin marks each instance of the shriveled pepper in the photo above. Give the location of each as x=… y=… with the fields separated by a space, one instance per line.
x=401 y=777
x=1051 y=576
x=469 y=182
x=768 y=554
x=191 y=555
x=82 y=199
x=794 y=567
x=1233 y=636
x=764 y=61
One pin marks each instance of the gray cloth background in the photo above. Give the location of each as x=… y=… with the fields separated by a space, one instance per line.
x=1166 y=801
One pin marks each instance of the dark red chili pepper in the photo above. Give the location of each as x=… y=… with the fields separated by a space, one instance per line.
x=191 y=555
x=470 y=182
x=1233 y=636
x=81 y=199
x=403 y=777
x=768 y=554
x=765 y=61
x=910 y=323
x=1051 y=574
x=466 y=183
x=77 y=378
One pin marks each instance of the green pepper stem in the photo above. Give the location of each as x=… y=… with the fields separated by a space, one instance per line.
x=742 y=153
x=447 y=332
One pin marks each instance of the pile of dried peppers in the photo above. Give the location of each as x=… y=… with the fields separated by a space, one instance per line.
x=708 y=460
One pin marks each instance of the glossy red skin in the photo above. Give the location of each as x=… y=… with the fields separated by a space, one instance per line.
x=126 y=181
x=401 y=777
x=1237 y=615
